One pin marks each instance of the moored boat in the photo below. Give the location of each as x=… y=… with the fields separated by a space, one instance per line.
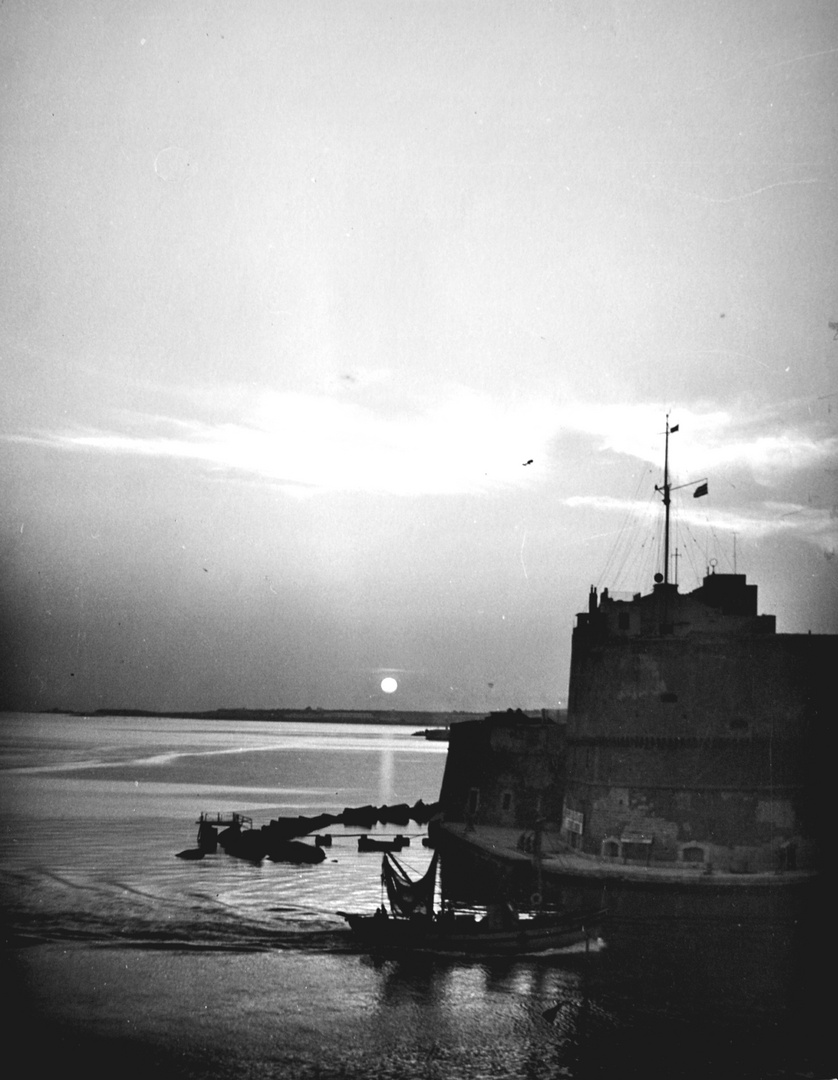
x=413 y=925
x=395 y=843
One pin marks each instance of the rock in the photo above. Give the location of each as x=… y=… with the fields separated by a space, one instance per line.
x=294 y=851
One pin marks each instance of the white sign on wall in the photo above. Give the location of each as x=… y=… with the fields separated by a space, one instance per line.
x=573 y=821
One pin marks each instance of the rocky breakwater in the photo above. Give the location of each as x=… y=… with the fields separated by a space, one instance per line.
x=279 y=839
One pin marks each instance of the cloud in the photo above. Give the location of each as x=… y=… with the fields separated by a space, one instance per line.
x=769 y=445
x=455 y=441
x=761 y=441
x=816 y=525
x=461 y=443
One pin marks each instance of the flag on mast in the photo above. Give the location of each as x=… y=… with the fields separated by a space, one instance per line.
x=699 y=491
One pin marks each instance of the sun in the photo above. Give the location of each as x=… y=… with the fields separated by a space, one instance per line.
x=389 y=685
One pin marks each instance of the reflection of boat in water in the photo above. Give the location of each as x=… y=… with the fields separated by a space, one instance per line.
x=412 y=924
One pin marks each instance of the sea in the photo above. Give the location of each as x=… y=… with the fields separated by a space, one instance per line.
x=121 y=960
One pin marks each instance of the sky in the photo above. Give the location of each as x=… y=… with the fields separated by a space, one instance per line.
x=339 y=338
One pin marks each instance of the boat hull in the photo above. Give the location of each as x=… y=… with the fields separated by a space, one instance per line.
x=464 y=936
x=366 y=843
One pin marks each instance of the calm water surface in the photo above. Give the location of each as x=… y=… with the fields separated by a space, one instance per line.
x=128 y=961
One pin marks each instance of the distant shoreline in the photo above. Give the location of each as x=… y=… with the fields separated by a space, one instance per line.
x=311 y=716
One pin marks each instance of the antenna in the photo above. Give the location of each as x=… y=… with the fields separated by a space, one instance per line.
x=665 y=490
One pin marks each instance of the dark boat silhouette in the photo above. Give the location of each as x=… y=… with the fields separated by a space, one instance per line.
x=413 y=925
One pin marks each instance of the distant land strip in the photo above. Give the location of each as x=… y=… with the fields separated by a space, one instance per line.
x=311 y=715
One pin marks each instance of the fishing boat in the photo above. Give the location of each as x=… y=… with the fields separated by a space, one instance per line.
x=413 y=924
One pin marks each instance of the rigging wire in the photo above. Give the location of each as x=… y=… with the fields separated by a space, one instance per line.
x=644 y=559
x=632 y=560
x=722 y=552
x=691 y=546
x=703 y=548
x=624 y=546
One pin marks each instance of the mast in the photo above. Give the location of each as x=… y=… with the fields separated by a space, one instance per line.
x=666 y=501
x=665 y=490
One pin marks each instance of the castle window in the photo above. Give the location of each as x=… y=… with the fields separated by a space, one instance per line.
x=473 y=800
x=623 y=620
x=692 y=854
x=611 y=848
x=506 y=800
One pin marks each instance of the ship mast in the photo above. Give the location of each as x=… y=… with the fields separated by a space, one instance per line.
x=666 y=490
x=666 y=501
